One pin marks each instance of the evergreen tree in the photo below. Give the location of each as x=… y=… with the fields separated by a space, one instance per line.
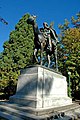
x=17 y=53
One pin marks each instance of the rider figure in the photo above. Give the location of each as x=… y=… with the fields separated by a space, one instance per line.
x=46 y=34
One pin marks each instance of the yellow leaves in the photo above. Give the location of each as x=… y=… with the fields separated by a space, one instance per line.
x=71 y=39
x=74 y=33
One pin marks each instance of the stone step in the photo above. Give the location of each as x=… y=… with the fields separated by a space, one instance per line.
x=26 y=112
x=8 y=116
x=18 y=113
x=40 y=111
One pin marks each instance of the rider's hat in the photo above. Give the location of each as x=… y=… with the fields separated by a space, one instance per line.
x=45 y=24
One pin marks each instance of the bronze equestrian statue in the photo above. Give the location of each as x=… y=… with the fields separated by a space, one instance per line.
x=45 y=39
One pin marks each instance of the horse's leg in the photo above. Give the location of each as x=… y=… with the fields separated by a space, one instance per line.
x=55 y=58
x=49 y=60
x=50 y=44
x=35 y=55
x=41 y=53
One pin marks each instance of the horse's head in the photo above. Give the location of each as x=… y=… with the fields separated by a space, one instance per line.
x=31 y=20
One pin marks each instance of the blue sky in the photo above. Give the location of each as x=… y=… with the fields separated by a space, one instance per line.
x=46 y=10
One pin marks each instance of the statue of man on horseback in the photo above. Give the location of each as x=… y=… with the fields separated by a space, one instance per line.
x=45 y=39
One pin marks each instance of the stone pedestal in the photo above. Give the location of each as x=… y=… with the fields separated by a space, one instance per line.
x=41 y=88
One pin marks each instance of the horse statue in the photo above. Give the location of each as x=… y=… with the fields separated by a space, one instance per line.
x=41 y=43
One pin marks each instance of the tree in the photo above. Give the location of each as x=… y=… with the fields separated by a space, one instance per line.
x=69 y=57
x=17 y=52
x=76 y=21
